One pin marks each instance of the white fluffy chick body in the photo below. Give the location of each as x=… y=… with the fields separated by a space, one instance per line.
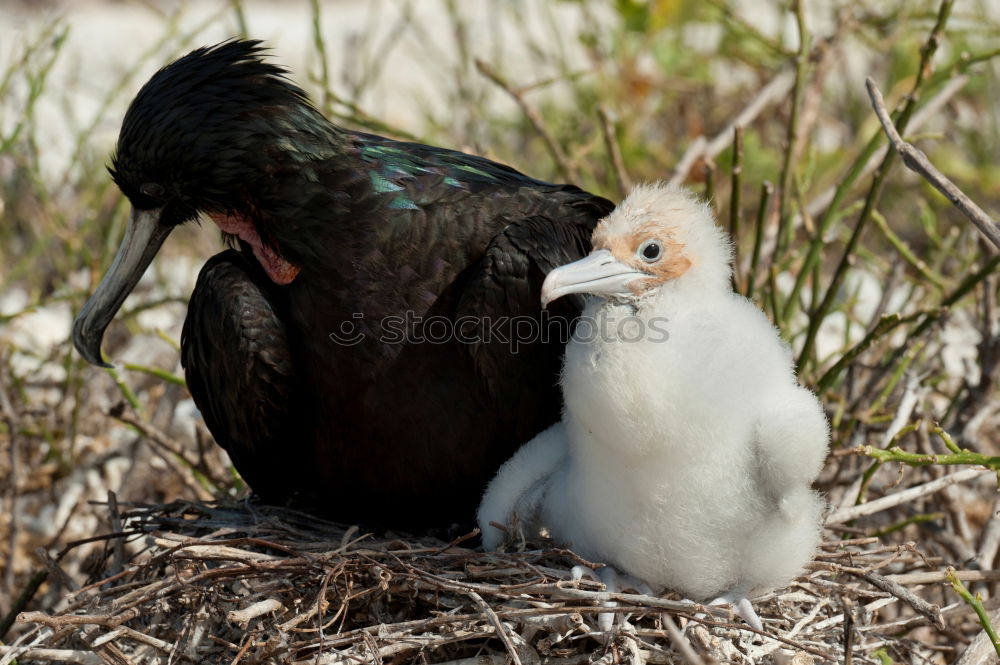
x=687 y=449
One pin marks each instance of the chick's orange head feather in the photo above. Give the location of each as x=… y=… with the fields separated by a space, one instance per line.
x=659 y=239
x=645 y=232
x=627 y=247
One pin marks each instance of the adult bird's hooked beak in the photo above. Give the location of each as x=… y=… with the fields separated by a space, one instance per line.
x=142 y=240
x=599 y=273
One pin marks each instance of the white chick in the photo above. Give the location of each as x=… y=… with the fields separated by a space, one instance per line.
x=686 y=450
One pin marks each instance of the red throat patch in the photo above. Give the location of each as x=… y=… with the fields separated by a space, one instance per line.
x=278 y=268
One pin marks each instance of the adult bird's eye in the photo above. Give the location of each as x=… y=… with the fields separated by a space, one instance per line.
x=153 y=190
x=650 y=251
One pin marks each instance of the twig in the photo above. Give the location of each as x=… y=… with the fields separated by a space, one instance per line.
x=778 y=638
x=885 y=503
x=792 y=136
x=870 y=159
x=107 y=620
x=557 y=591
x=27 y=593
x=247 y=614
x=125 y=631
x=248 y=644
x=55 y=570
x=109 y=652
x=848 y=633
x=932 y=612
x=917 y=161
x=904 y=410
x=708 y=167
x=885 y=325
x=701 y=148
x=976 y=404
x=534 y=117
x=904 y=251
x=501 y=630
x=736 y=201
x=680 y=642
x=981 y=648
x=766 y=190
x=117 y=544
x=914 y=338
x=977 y=604
x=937 y=576
x=989 y=543
x=13 y=452
x=614 y=152
x=151 y=433
x=162 y=443
x=746 y=29
x=56 y=655
x=873 y=606
x=896 y=454
x=694 y=152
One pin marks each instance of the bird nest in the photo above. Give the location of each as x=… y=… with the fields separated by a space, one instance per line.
x=237 y=583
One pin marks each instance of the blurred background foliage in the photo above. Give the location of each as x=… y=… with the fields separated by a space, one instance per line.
x=597 y=92
x=666 y=71
x=884 y=293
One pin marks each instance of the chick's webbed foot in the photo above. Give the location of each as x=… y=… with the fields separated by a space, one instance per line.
x=741 y=606
x=608 y=576
x=613 y=582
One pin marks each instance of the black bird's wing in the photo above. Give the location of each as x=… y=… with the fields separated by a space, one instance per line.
x=520 y=359
x=240 y=371
x=422 y=223
x=502 y=232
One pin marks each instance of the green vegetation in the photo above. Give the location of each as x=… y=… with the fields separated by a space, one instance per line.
x=885 y=293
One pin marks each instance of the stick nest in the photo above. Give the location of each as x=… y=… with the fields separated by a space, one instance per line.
x=237 y=583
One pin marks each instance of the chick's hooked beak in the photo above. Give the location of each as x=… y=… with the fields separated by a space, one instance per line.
x=599 y=273
x=142 y=240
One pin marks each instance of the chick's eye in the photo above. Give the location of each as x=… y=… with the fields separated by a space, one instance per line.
x=650 y=251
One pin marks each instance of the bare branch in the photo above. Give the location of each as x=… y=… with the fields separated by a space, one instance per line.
x=533 y=116
x=614 y=152
x=854 y=512
x=917 y=161
x=776 y=90
x=53 y=655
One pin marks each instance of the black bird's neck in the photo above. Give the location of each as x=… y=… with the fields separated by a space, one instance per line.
x=305 y=186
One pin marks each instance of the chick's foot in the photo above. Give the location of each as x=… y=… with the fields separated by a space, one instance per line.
x=741 y=606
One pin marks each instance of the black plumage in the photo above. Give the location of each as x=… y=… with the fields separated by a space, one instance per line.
x=342 y=233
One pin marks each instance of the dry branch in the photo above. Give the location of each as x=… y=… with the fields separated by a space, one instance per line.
x=917 y=161
x=819 y=203
x=534 y=117
x=845 y=515
x=53 y=655
x=614 y=152
x=702 y=148
x=246 y=615
x=319 y=593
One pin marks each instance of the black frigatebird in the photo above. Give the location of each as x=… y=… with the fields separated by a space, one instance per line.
x=352 y=350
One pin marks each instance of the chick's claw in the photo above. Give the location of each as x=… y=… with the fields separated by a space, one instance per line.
x=608 y=576
x=742 y=607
